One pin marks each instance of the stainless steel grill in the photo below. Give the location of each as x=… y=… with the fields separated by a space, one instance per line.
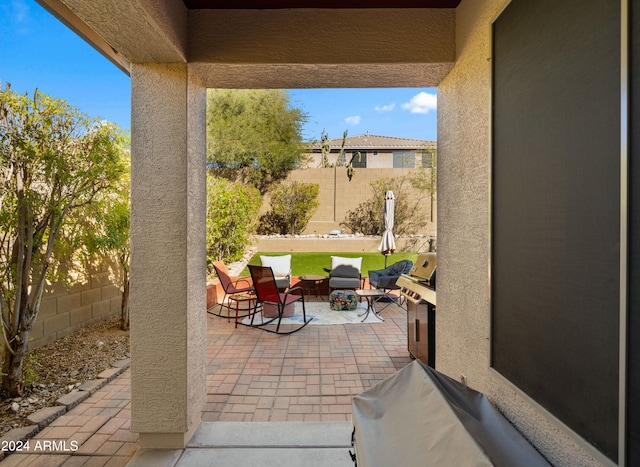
x=419 y=288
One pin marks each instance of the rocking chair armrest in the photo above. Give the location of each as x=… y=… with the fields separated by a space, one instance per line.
x=239 y=280
x=288 y=292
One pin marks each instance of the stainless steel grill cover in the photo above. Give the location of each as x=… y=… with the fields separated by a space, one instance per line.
x=420 y=417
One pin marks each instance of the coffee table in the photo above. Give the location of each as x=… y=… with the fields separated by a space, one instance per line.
x=311 y=283
x=370 y=295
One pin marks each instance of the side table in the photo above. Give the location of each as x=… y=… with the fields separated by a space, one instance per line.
x=311 y=283
x=243 y=297
x=370 y=295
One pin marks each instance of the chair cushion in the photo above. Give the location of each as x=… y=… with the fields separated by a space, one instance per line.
x=344 y=283
x=345 y=267
x=339 y=260
x=386 y=278
x=280 y=265
x=382 y=281
x=283 y=282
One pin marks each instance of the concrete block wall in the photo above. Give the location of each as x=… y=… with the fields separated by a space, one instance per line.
x=338 y=244
x=338 y=195
x=67 y=309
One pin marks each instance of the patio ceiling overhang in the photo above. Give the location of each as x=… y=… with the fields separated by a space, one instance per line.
x=273 y=44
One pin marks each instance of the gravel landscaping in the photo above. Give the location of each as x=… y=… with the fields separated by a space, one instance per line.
x=61 y=367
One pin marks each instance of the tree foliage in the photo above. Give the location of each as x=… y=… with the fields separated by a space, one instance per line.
x=411 y=191
x=253 y=136
x=104 y=231
x=292 y=205
x=232 y=216
x=53 y=160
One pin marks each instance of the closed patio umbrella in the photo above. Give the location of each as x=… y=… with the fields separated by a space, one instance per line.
x=388 y=243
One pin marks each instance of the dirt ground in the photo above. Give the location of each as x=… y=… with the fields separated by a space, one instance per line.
x=61 y=366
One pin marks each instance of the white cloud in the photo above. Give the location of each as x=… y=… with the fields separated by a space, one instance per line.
x=20 y=10
x=353 y=120
x=421 y=103
x=385 y=108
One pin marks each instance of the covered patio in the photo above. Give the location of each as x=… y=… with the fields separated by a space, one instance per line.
x=536 y=101
x=252 y=376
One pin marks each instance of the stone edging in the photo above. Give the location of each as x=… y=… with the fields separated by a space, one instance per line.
x=43 y=417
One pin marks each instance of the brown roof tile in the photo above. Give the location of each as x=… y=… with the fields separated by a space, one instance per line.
x=371 y=142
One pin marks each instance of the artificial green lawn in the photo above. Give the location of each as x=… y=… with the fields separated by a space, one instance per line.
x=320 y=263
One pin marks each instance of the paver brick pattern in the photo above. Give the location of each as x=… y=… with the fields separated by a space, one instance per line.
x=251 y=376
x=311 y=375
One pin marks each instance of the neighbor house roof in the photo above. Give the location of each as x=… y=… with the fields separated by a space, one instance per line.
x=368 y=141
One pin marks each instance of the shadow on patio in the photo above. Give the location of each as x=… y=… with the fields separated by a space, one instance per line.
x=252 y=376
x=311 y=375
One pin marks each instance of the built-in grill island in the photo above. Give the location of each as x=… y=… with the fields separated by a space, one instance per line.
x=419 y=288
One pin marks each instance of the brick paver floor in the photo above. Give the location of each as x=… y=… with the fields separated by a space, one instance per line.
x=252 y=375
x=311 y=375
x=95 y=432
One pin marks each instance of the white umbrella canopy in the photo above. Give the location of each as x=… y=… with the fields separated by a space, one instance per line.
x=388 y=243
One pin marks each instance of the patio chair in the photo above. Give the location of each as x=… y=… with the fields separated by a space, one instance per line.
x=281 y=267
x=385 y=279
x=345 y=273
x=230 y=286
x=269 y=295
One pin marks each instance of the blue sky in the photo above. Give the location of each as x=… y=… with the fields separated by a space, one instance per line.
x=37 y=51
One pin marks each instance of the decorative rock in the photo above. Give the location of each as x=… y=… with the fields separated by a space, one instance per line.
x=15 y=406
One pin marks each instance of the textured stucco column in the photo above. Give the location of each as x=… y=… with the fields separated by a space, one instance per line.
x=168 y=262
x=464 y=176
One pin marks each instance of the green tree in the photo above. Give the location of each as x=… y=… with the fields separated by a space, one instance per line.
x=105 y=232
x=53 y=160
x=292 y=205
x=232 y=216
x=253 y=136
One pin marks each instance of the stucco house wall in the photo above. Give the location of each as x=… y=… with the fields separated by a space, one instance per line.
x=464 y=315
x=375 y=152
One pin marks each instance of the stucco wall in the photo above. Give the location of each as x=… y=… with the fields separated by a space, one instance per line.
x=463 y=315
x=168 y=256
x=338 y=195
x=381 y=160
x=67 y=309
